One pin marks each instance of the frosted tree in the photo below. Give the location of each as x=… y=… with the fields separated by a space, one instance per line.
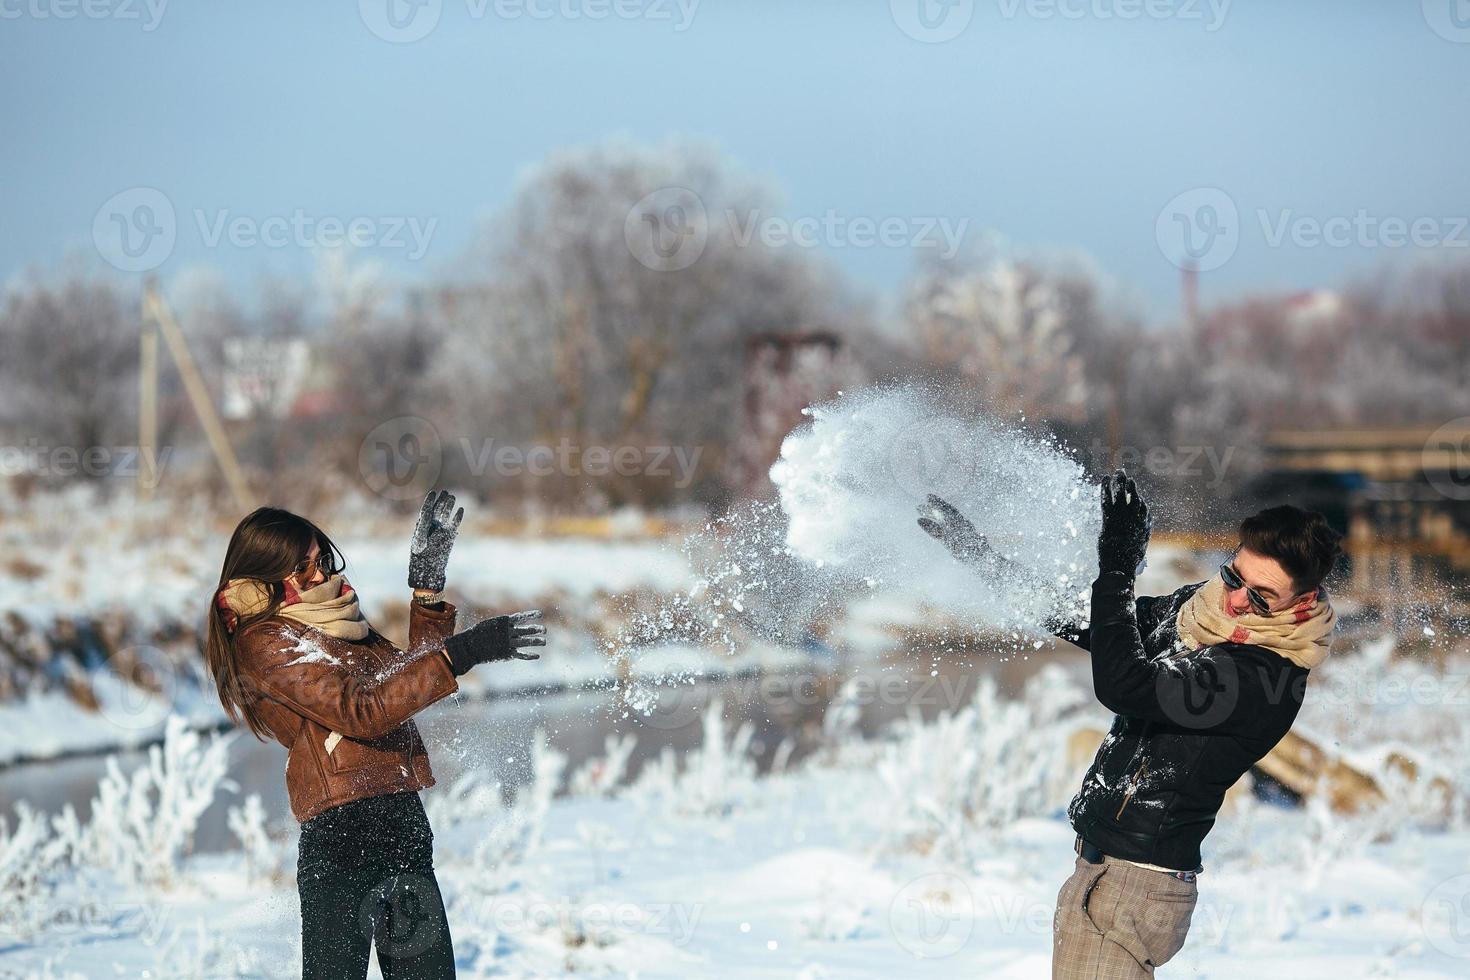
x=611 y=304
x=1009 y=329
x=68 y=363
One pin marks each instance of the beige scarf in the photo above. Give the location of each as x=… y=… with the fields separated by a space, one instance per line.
x=1301 y=634
x=330 y=607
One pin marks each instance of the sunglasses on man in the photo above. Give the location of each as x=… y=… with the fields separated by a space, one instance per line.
x=1233 y=582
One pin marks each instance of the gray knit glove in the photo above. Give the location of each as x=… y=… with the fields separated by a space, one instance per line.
x=433 y=536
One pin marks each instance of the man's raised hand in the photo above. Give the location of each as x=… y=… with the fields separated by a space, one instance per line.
x=1126 y=525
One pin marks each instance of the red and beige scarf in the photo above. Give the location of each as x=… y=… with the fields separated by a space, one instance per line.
x=330 y=607
x=1301 y=634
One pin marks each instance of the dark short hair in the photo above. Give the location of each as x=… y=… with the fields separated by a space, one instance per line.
x=1302 y=541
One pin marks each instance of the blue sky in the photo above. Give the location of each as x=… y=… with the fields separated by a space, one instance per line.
x=1063 y=125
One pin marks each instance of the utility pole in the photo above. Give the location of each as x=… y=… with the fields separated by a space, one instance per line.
x=148 y=475
x=1190 y=292
x=156 y=308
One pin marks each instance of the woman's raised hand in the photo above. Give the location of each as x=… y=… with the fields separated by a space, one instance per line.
x=433 y=536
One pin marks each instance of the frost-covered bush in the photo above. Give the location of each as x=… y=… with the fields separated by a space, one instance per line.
x=602 y=776
x=143 y=824
x=189 y=952
x=547 y=768
x=264 y=855
x=470 y=798
x=1400 y=721
x=951 y=783
x=513 y=832
x=712 y=779
x=843 y=714
x=29 y=855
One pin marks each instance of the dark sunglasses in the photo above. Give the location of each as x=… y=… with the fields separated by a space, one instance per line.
x=325 y=562
x=1233 y=581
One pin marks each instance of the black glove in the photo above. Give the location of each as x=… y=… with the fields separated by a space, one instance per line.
x=433 y=536
x=500 y=638
x=1125 y=526
x=947 y=525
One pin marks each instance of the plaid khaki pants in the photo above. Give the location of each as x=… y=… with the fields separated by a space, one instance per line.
x=1115 y=921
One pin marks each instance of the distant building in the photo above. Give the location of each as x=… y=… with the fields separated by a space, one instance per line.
x=1402 y=494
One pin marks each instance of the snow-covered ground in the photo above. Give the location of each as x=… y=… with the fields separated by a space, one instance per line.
x=934 y=851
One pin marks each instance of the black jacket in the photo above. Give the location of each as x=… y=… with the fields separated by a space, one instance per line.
x=1189 y=724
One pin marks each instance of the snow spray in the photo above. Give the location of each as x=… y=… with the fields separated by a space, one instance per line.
x=850 y=480
x=844 y=525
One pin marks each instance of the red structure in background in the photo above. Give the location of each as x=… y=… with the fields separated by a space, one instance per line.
x=784 y=373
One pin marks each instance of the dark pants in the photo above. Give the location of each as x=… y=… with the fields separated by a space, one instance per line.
x=366 y=879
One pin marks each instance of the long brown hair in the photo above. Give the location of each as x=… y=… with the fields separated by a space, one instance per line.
x=267 y=546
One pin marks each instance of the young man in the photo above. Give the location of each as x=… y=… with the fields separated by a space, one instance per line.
x=1204 y=682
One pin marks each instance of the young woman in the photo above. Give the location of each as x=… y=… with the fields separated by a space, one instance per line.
x=294 y=658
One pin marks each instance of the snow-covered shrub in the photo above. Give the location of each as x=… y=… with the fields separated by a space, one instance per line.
x=470 y=798
x=712 y=779
x=28 y=857
x=513 y=832
x=548 y=765
x=600 y=840
x=781 y=758
x=840 y=720
x=264 y=856
x=1400 y=720
x=143 y=824
x=603 y=775
x=966 y=775
x=189 y=952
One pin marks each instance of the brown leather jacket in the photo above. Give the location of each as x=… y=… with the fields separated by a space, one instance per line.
x=308 y=685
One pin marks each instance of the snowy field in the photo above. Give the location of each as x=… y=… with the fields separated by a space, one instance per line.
x=936 y=850
x=933 y=846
